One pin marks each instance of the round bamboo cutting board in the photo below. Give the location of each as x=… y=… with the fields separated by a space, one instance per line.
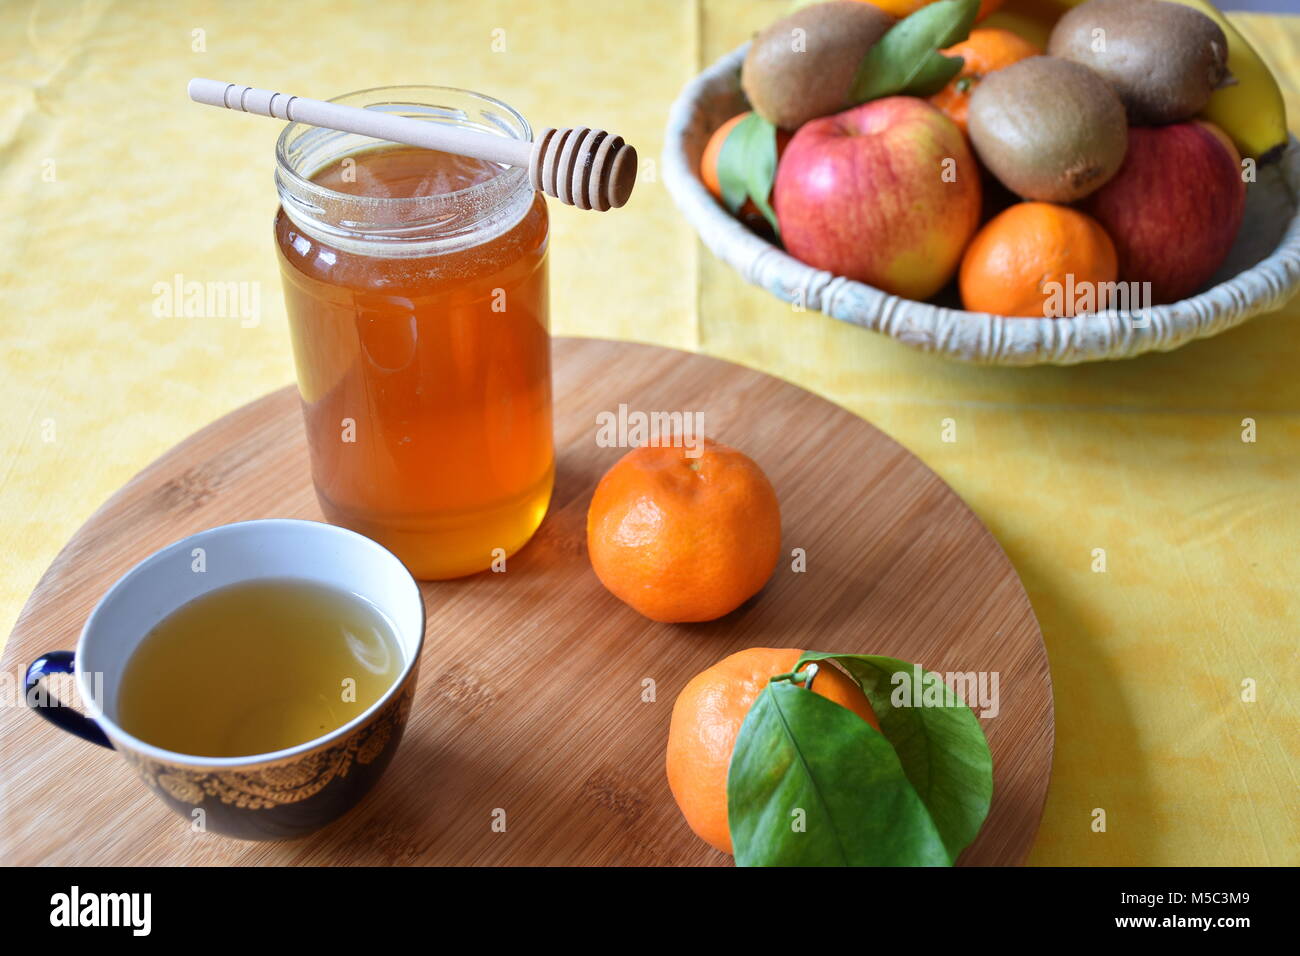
x=543 y=701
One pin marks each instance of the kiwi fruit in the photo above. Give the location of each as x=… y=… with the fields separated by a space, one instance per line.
x=1163 y=59
x=1048 y=129
x=803 y=65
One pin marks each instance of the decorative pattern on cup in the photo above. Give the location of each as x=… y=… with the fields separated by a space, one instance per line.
x=289 y=797
x=284 y=782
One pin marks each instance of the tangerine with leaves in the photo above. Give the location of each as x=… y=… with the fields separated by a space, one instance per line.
x=706 y=720
x=713 y=152
x=682 y=537
x=985 y=51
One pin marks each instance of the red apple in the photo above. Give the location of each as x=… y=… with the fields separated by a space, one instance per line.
x=887 y=193
x=1173 y=209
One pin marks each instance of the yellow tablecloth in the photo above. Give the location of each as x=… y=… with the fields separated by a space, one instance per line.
x=111 y=182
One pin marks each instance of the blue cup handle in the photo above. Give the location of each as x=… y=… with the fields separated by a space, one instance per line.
x=60 y=715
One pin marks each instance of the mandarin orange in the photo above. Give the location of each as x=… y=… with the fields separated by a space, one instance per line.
x=1027 y=260
x=713 y=150
x=706 y=721
x=986 y=50
x=682 y=538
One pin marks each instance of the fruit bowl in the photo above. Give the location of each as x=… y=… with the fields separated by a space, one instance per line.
x=1261 y=273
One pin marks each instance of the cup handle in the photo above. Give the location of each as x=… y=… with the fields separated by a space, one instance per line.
x=59 y=714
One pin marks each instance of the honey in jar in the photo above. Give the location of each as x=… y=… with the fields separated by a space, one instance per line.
x=416 y=288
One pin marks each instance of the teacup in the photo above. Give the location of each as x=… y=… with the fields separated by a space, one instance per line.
x=271 y=796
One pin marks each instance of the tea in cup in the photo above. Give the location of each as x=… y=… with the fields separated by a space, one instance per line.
x=257 y=675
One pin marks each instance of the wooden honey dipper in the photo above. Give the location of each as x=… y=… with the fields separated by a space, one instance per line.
x=587 y=168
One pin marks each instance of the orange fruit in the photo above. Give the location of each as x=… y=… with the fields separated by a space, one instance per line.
x=707 y=718
x=713 y=149
x=985 y=51
x=1009 y=263
x=903 y=8
x=683 y=538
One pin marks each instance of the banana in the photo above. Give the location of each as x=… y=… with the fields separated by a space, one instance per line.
x=1251 y=111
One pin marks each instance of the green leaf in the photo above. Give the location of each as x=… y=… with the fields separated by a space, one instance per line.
x=942 y=749
x=798 y=751
x=935 y=74
x=902 y=61
x=747 y=166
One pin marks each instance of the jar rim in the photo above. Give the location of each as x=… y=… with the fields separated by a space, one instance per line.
x=399 y=217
